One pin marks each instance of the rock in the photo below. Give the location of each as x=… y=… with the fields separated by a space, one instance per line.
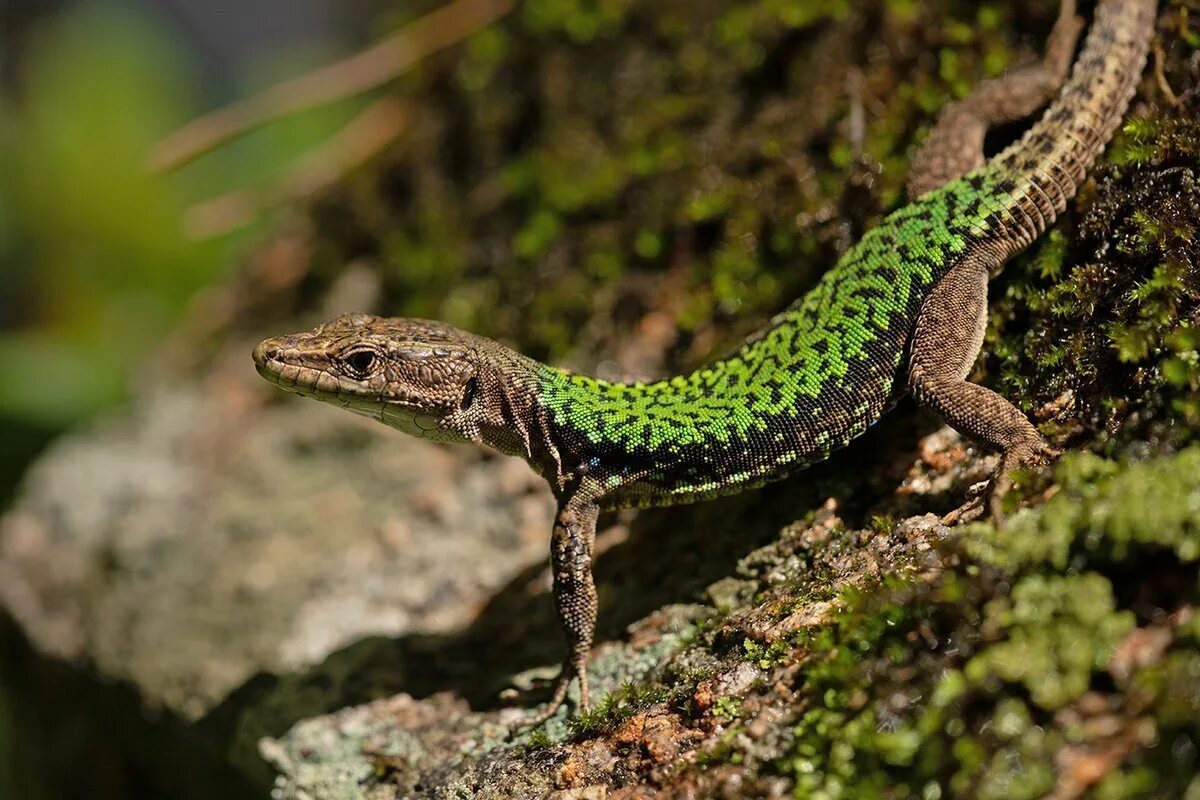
x=207 y=541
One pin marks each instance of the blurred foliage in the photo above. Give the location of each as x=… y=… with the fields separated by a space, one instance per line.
x=95 y=267
x=93 y=257
x=91 y=243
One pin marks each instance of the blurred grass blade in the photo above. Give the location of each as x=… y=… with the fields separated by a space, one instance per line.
x=351 y=76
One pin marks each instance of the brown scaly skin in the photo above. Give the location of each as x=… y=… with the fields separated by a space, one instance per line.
x=608 y=445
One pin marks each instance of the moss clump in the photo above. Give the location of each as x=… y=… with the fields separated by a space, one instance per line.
x=1060 y=630
x=1103 y=515
x=727 y=708
x=767 y=656
x=617 y=706
x=1111 y=317
x=1045 y=639
x=711 y=145
x=845 y=743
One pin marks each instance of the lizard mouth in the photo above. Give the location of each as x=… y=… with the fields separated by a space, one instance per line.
x=285 y=368
x=278 y=365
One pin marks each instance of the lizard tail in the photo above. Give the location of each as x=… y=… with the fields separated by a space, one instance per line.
x=1052 y=159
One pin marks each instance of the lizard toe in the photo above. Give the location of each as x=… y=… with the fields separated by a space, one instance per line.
x=1029 y=456
x=551 y=707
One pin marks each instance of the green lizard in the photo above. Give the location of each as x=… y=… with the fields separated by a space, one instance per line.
x=901 y=311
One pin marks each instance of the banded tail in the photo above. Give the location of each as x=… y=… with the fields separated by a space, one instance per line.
x=1046 y=166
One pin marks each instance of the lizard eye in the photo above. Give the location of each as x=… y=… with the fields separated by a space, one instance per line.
x=361 y=361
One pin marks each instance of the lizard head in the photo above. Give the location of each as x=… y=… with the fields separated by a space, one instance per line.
x=421 y=377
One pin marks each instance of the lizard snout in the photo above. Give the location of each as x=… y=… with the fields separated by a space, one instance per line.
x=265 y=350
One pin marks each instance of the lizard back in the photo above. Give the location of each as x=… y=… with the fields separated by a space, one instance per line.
x=822 y=372
x=826 y=368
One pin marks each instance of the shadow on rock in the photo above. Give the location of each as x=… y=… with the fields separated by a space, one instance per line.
x=669 y=556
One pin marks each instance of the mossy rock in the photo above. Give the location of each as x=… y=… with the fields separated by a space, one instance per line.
x=630 y=188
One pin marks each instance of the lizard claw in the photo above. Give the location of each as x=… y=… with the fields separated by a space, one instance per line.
x=1026 y=456
x=967 y=512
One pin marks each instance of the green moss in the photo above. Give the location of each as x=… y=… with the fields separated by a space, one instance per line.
x=846 y=744
x=538 y=739
x=538 y=234
x=1102 y=515
x=1130 y=269
x=1175 y=687
x=954 y=682
x=582 y=20
x=1126 y=784
x=766 y=656
x=1060 y=630
x=1021 y=764
x=618 y=706
x=727 y=708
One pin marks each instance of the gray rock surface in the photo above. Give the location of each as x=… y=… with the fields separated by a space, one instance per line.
x=220 y=531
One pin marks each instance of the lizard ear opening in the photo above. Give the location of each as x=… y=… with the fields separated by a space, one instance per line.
x=464 y=421
x=469 y=392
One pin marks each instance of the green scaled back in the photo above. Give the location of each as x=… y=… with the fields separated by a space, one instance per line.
x=819 y=375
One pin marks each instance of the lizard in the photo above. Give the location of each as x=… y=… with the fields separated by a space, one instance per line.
x=902 y=311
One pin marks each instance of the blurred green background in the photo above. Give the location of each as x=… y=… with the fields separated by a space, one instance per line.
x=94 y=261
x=95 y=264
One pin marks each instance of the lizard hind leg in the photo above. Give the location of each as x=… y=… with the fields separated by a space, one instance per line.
x=945 y=342
x=955 y=145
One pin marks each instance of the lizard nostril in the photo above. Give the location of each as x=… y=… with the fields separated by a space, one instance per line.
x=265 y=351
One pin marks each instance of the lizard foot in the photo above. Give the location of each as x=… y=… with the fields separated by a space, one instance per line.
x=561 y=684
x=971 y=510
x=1024 y=456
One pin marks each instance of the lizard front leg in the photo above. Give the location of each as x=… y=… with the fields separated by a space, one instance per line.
x=571 y=545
